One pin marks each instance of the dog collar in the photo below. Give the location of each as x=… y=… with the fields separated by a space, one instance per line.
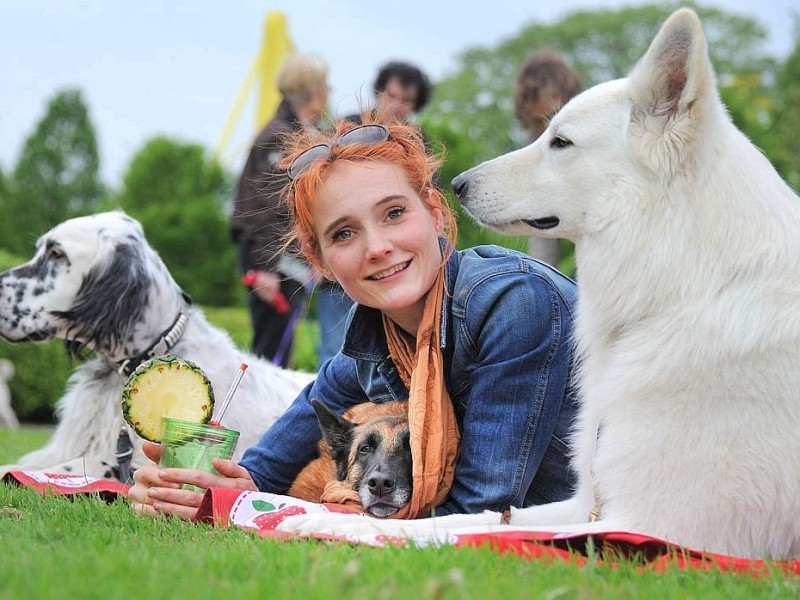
x=168 y=338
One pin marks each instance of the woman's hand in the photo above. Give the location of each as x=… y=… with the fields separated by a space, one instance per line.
x=158 y=491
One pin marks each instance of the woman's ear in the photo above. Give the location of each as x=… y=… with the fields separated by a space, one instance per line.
x=317 y=262
x=434 y=202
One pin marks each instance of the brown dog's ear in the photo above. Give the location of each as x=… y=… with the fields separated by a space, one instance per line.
x=338 y=433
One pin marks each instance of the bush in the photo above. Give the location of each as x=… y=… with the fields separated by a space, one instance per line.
x=40 y=375
x=40 y=370
x=9 y=260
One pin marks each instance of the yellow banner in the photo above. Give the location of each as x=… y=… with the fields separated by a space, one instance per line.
x=275 y=46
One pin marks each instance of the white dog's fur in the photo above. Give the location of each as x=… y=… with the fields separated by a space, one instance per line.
x=688 y=261
x=96 y=283
x=7 y=414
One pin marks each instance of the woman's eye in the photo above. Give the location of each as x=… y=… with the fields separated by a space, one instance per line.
x=396 y=212
x=342 y=235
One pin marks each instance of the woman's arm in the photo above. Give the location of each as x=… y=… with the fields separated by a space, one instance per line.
x=291 y=442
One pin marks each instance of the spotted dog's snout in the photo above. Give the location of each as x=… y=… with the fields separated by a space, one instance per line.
x=16 y=314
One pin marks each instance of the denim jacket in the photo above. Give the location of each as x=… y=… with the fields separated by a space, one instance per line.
x=506 y=341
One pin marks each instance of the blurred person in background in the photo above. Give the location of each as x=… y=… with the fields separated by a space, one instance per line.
x=279 y=281
x=401 y=91
x=545 y=82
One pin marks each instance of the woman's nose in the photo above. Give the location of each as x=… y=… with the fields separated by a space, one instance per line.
x=377 y=245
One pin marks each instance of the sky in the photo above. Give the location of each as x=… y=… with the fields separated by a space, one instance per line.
x=175 y=67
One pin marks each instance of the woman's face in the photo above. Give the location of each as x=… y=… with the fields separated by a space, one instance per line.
x=378 y=238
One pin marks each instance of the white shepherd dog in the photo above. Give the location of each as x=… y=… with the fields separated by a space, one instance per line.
x=688 y=254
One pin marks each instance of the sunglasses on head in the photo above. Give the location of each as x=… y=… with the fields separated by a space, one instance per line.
x=363 y=134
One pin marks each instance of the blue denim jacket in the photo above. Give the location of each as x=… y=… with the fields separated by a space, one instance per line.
x=506 y=340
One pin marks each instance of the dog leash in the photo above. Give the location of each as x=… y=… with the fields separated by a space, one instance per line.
x=124 y=455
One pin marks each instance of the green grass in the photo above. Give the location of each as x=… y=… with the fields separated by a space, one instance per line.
x=16 y=442
x=54 y=547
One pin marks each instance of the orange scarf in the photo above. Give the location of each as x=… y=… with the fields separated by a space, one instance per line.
x=431 y=419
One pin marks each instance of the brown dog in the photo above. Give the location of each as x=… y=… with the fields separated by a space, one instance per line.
x=368 y=448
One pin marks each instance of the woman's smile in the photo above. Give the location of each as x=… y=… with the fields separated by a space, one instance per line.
x=389 y=272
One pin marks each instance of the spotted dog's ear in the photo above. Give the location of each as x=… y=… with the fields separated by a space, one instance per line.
x=111 y=300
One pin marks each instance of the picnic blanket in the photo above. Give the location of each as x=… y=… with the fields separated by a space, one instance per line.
x=67 y=485
x=261 y=512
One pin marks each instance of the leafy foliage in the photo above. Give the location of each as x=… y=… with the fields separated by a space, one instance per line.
x=56 y=176
x=785 y=118
x=476 y=101
x=177 y=195
x=41 y=371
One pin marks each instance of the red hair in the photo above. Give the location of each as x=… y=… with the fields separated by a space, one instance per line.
x=405 y=148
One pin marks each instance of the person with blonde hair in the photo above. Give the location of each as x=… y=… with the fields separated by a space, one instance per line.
x=279 y=282
x=478 y=341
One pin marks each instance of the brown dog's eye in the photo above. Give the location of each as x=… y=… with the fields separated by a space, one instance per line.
x=365 y=449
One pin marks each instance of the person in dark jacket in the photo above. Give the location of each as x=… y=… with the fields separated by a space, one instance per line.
x=279 y=280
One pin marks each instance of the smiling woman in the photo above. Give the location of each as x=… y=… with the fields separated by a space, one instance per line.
x=478 y=341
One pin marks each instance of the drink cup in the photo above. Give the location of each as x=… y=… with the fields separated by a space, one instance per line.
x=190 y=445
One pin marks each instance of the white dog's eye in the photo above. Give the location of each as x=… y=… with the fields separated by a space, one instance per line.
x=560 y=142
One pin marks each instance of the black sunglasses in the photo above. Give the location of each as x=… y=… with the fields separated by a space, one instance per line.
x=363 y=134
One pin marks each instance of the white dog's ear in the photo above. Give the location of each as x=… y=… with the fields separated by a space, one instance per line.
x=670 y=89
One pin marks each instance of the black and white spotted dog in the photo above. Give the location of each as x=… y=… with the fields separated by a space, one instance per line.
x=97 y=284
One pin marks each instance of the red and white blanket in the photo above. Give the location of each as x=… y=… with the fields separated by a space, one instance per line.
x=261 y=512
x=67 y=485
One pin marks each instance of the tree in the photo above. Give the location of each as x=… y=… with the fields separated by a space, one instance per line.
x=57 y=174
x=4 y=209
x=785 y=115
x=179 y=197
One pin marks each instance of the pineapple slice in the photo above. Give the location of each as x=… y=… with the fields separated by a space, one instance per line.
x=166 y=386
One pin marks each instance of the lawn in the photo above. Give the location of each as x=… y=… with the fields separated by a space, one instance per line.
x=53 y=547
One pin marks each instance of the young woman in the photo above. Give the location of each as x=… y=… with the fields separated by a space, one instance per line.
x=479 y=340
